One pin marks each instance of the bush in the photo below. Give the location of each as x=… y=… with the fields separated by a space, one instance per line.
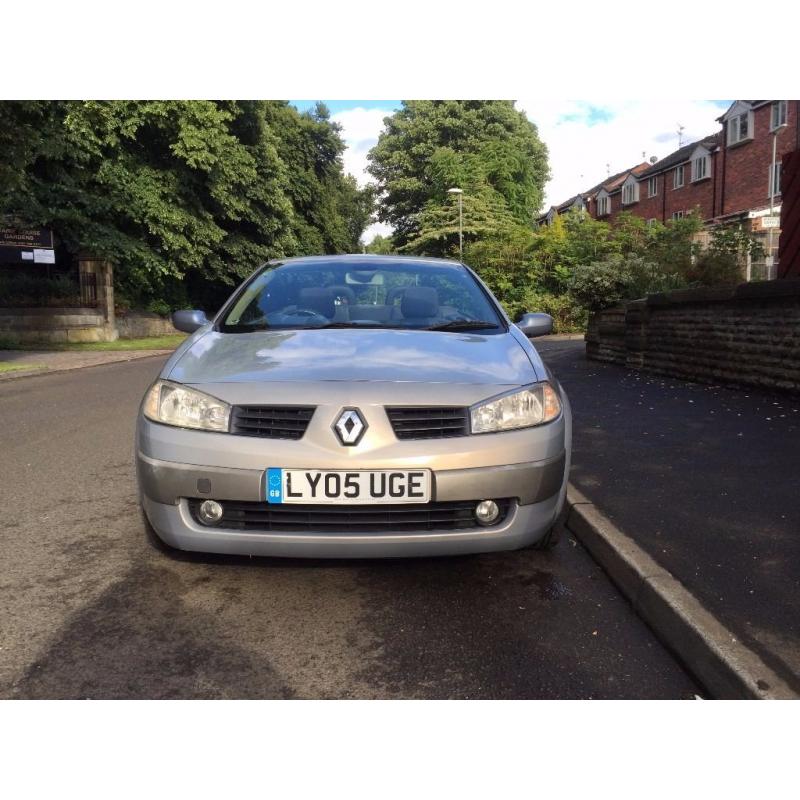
x=160 y=307
x=568 y=315
x=22 y=289
x=715 y=268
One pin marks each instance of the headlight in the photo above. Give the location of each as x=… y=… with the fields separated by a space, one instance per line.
x=533 y=405
x=174 y=404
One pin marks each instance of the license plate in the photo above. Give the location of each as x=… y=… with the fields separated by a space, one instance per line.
x=347 y=487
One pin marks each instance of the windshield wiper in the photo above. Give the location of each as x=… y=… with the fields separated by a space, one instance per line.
x=462 y=325
x=344 y=325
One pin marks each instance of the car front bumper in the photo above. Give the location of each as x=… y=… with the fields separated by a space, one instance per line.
x=203 y=470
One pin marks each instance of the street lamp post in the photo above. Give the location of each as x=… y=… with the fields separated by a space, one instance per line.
x=772 y=187
x=460 y=193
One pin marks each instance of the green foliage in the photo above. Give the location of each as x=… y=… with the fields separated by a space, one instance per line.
x=22 y=289
x=380 y=245
x=722 y=262
x=180 y=193
x=715 y=268
x=577 y=264
x=485 y=147
x=673 y=246
x=618 y=277
x=160 y=307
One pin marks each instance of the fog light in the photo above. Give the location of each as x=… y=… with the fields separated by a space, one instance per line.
x=210 y=512
x=486 y=512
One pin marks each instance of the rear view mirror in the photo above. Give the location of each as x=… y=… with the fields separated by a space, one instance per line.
x=535 y=324
x=189 y=321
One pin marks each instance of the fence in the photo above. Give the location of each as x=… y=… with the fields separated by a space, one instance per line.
x=88 y=282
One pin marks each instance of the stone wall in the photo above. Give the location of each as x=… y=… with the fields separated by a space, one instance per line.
x=60 y=325
x=747 y=335
x=139 y=324
x=56 y=325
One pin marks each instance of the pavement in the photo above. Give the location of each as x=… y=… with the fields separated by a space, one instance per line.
x=64 y=360
x=93 y=608
x=704 y=479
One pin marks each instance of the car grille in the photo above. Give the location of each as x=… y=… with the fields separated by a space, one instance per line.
x=271 y=422
x=250 y=516
x=429 y=422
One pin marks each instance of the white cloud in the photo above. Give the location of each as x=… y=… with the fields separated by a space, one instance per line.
x=360 y=130
x=582 y=137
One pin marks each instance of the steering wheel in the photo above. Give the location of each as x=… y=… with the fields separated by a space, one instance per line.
x=307 y=314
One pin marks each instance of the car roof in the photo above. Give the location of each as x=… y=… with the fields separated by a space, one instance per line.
x=366 y=259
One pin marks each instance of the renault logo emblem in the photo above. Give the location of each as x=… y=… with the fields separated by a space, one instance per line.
x=350 y=426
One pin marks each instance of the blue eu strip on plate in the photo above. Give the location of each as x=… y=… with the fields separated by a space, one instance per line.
x=274 y=485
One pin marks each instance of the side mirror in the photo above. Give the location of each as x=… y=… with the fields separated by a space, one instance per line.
x=535 y=324
x=189 y=321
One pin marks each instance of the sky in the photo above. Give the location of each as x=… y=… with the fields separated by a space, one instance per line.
x=586 y=139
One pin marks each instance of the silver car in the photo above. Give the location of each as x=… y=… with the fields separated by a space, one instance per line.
x=355 y=406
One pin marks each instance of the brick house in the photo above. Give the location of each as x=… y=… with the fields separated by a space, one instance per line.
x=726 y=176
x=577 y=202
x=749 y=127
x=682 y=182
x=617 y=193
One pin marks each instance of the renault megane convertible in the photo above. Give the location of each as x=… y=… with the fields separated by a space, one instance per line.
x=355 y=406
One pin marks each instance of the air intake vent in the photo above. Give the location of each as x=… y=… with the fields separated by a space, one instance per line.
x=429 y=422
x=337 y=520
x=271 y=422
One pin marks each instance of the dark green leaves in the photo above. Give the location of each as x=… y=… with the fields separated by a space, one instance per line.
x=485 y=147
x=199 y=192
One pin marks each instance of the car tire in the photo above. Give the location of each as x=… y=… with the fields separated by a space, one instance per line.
x=549 y=540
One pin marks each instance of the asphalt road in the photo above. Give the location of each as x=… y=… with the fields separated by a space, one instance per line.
x=705 y=479
x=93 y=609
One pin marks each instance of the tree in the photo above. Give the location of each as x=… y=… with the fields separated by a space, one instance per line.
x=380 y=245
x=331 y=211
x=485 y=147
x=180 y=195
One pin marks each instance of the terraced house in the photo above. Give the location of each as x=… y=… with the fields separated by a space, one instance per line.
x=727 y=177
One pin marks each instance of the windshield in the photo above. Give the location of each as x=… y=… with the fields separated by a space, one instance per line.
x=337 y=294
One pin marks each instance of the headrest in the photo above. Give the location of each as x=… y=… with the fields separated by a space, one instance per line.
x=419 y=301
x=318 y=299
x=338 y=290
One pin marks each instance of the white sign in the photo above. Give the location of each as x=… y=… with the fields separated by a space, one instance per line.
x=41 y=256
x=27 y=255
x=770 y=222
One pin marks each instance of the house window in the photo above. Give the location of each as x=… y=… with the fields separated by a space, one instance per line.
x=774 y=179
x=700 y=168
x=652 y=187
x=602 y=206
x=778 y=114
x=630 y=193
x=678 y=214
x=677 y=178
x=652 y=221
x=739 y=128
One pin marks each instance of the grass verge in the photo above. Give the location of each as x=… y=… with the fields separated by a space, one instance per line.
x=150 y=343
x=6 y=366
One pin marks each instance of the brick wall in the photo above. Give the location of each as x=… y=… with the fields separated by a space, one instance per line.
x=746 y=165
x=691 y=195
x=747 y=335
x=649 y=207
